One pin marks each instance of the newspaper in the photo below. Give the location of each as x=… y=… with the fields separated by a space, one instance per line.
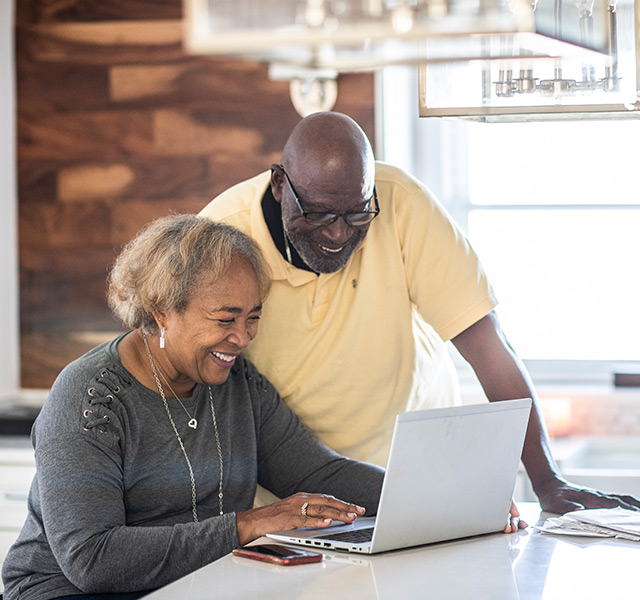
x=616 y=522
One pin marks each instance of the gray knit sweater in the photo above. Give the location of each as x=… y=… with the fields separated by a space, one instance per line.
x=110 y=505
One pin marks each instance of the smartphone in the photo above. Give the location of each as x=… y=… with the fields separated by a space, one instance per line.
x=278 y=555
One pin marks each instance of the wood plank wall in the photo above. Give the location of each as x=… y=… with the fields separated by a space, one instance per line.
x=118 y=126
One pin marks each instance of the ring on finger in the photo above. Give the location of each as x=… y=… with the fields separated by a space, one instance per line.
x=303 y=510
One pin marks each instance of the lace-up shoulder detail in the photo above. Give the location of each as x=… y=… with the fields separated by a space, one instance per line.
x=97 y=407
x=251 y=374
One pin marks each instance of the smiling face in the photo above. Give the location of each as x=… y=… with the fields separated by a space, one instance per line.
x=324 y=249
x=220 y=319
x=330 y=164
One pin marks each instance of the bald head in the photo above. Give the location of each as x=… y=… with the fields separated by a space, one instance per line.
x=327 y=170
x=327 y=148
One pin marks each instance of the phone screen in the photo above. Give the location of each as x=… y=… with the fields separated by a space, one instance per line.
x=280 y=555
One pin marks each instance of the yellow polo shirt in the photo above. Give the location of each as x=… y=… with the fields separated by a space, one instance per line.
x=349 y=350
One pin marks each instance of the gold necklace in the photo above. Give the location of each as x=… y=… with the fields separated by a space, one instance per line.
x=175 y=430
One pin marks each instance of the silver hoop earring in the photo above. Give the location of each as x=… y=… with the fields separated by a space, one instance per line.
x=162 y=340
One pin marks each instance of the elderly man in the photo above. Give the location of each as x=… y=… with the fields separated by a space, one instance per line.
x=370 y=278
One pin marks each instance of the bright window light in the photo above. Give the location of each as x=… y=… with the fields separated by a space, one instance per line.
x=553 y=210
x=555 y=216
x=571 y=162
x=568 y=280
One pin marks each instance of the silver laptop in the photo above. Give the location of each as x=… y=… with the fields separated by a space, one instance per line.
x=451 y=473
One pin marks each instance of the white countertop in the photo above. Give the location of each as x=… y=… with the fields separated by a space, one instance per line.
x=522 y=566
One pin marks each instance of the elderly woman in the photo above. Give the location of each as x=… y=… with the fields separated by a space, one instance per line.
x=150 y=446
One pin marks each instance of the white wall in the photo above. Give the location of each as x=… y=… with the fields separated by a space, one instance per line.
x=9 y=340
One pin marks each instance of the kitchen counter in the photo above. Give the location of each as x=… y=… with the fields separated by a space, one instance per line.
x=17 y=468
x=17 y=415
x=522 y=566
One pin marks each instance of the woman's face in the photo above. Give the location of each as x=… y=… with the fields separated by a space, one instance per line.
x=221 y=318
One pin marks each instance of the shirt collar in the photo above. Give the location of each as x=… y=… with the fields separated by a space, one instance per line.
x=272 y=214
x=272 y=241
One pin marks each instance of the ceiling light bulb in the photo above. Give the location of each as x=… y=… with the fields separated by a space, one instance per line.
x=314 y=13
x=313 y=95
x=402 y=19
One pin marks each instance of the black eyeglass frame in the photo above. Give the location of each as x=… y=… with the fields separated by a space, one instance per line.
x=333 y=217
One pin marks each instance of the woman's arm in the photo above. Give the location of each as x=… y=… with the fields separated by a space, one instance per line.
x=296 y=466
x=81 y=499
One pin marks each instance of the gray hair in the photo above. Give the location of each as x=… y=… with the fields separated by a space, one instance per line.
x=161 y=267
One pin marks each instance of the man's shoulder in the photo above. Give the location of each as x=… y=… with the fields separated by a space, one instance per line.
x=406 y=198
x=400 y=183
x=388 y=172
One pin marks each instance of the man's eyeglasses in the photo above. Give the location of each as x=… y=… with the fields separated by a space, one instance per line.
x=324 y=219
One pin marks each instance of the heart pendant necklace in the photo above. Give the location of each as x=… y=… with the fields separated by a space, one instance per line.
x=193 y=422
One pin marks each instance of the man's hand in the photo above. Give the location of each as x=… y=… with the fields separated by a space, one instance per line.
x=560 y=496
x=503 y=376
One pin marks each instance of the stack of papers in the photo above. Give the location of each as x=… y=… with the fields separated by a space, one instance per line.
x=596 y=522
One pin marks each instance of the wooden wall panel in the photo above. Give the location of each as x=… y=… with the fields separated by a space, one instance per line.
x=40 y=88
x=51 y=11
x=157 y=41
x=118 y=126
x=78 y=135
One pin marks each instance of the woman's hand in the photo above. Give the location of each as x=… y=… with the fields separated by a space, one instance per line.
x=299 y=510
x=514 y=521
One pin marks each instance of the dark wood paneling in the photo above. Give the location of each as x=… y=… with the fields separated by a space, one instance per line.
x=117 y=126
x=139 y=177
x=98 y=10
x=78 y=135
x=57 y=226
x=85 y=43
x=126 y=220
x=37 y=180
x=40 y=88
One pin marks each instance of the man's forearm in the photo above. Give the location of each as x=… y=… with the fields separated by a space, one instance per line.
x=504 y=377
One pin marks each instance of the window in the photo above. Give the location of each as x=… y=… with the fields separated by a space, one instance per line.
x=553 y=210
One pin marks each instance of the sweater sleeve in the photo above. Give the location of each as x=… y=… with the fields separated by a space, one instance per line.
x=291 y=459
x=85 y=519
x=82 y=504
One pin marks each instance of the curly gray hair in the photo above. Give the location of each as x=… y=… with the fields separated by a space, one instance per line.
x=161 y=267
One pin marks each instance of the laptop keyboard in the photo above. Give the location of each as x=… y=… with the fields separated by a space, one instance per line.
x=358 y=536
